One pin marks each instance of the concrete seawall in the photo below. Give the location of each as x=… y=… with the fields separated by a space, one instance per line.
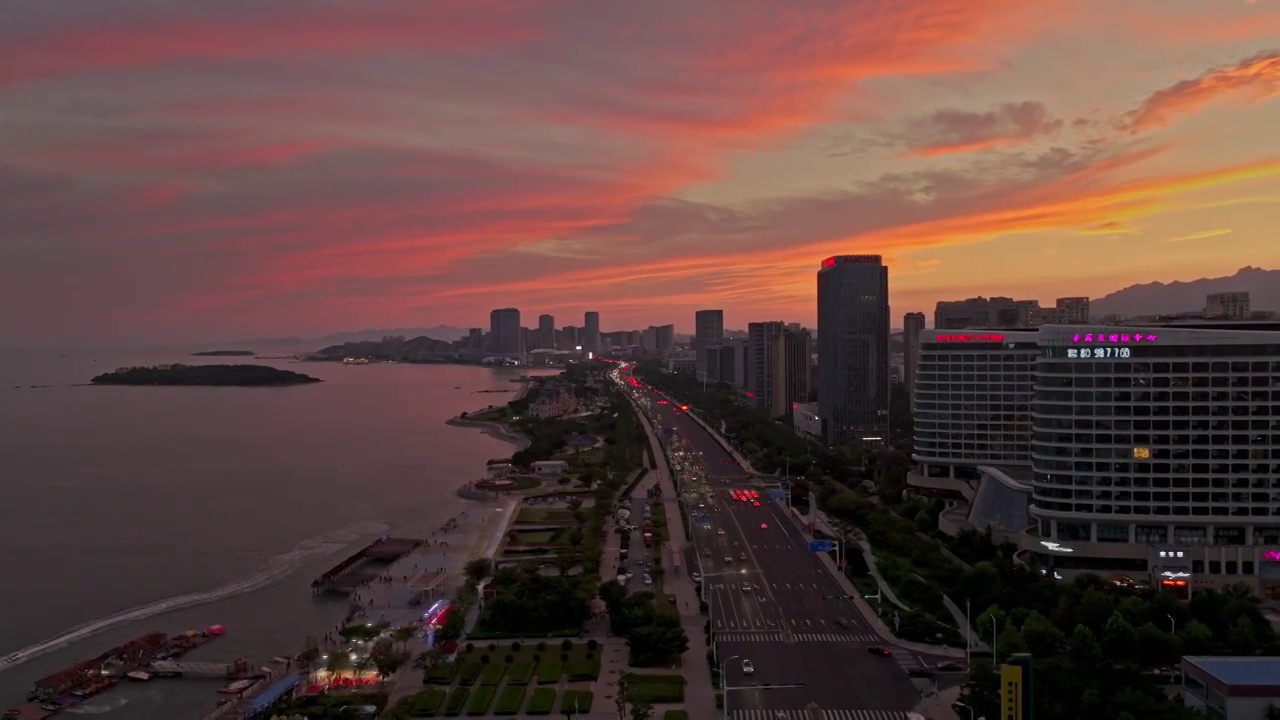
x=495 y=430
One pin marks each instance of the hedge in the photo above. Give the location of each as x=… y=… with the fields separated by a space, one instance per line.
x=541 y=701
x=481 y=699
x=457 y=700
x=509 y=701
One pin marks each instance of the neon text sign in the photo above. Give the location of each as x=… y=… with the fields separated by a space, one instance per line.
x=969 y=338
x=1112 y=338
x=1271 y=555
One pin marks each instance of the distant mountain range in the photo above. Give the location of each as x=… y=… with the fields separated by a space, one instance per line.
x=439 y=332
x=1177 y=297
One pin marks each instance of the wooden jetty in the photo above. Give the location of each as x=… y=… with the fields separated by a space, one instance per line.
x=364 y=565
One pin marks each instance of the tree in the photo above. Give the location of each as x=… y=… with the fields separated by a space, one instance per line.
x=478 y=569
x=641 y=711
x=1041 y=637
x=1243 y=639
x=566 y=560
x=657 y=642
x=385 y=659
x=1196 y=638
x=1119 y=639
x=620 y=698
x=403 y=635
x=613 y=594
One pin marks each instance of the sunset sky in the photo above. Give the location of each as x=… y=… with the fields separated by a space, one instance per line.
x=184 y=170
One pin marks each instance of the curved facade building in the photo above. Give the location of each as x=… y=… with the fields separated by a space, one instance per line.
x=1157 y=450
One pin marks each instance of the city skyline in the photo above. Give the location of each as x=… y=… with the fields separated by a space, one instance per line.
x=192 y=171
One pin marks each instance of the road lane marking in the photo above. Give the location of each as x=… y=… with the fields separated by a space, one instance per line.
x=757 y=714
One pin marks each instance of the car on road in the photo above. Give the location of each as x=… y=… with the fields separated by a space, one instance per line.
x=706 y=553
x=950 y=666
x=748 y=668
x=648 y=579
x=743 y=556
x=755 y=503
x=720 y=531
x=881 y=651
x=728 y=559
x=746 y=587
x=841 y=622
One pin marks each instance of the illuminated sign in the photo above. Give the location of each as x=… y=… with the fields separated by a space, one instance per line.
x=1173 y=583
x=1052 y=546
x=1175 y=574
x=1271 y=555
x=1102 y=352
x=1112 y=338
x=969 y=338
x=1011 y=692
x=1171 y=553
x=843 y=259
x=1141 y=453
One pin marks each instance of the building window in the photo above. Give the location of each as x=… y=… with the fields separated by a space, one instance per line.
x=1113 y=532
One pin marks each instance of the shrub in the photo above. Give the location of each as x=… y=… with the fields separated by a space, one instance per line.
x=484 y=659
x=541 y=647
x=493 y=647
x=566 y=645
x=592 y=644
x=541 y=701
x=509 y=701
x=510 y=659
x=471 y=646
x=515 y=646
x=457 y=700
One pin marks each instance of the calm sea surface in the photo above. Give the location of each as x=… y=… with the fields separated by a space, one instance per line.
x=125 y=510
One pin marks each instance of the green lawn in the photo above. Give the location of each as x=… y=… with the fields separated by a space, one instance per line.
x=576 y=699
x=550 y=668
x=545 y=516
x=468 y=672
x=509 y=701
x=426 y=703
x=442 y=673
x=492 y=673
x=481 y=699
x=675 y=715
x=457 y=701
x=534 y=537
x=541 y=701
x=655 y=689
x=520 y=673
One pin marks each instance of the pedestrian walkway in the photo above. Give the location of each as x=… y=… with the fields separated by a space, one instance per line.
x=796 y=637
x=826 y=715
x=906 y=658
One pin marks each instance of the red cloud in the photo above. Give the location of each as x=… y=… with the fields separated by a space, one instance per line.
x=1254 y=79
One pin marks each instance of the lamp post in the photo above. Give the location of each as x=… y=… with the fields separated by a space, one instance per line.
x=724 y=686
x=994 y=624
x=1173 y=625
x=968 y=634
x=966 y=707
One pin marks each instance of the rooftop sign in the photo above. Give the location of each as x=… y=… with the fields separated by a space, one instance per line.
x=970 y=338
x=841 y=259
x=1112 y=338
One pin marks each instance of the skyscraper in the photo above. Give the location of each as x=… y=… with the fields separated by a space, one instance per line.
x=546 y=331
x=791 y=359
x=853 y=348
x=505 y=334
x=912 y=326
x=591 y=332
x=708 y=330
x=761 y=338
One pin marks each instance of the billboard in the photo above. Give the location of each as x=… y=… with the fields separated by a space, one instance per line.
x=1015 y=688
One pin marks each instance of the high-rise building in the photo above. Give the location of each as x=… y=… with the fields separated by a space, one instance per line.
x=475 y=338
x=659 y=339
x=791 y=358
x=727 y=363
x=591 y=332
x=761 y=338
x=912 y=326
x=853 y=348
x=1227 y=305
x=506 y=336
x=570 y=337
x=979 y=312
x=546 y=331
x=1152 y=453
x=1071 y=311
x=708 y=330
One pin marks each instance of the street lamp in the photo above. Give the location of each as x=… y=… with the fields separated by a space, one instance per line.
x=725 y=687
x=966 y=707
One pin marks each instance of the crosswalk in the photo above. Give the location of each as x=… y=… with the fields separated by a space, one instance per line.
x=797 y=637
x=826 y=715
x=906 y=658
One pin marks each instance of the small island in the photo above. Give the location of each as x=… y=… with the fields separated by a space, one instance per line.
x=224 y=353
x=208 y=375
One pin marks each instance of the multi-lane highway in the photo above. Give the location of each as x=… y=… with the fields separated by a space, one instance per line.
x=773 y=602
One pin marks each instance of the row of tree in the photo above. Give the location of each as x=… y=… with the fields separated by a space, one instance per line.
x=653 y=632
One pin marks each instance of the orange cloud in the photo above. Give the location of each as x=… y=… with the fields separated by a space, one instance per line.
x=1255 y=79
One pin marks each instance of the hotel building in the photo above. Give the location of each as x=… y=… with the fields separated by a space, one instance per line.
x=1154 y=452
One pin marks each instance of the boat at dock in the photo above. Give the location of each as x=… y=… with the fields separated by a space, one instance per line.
x=237 y=687
x=72 y=686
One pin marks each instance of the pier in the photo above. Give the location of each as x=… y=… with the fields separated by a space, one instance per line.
x=365 y=565
x=238 y=670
